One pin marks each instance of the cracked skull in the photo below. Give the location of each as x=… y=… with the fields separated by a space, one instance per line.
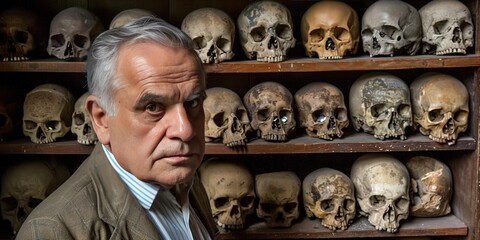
x=440 y=106
x=82 y=124
x=329 y=195
x=382 y=190
x=270 y=106
x=266 y=31
x=212 y=32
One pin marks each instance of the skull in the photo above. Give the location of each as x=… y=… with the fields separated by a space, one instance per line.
x=10 y=110
x=230 y=188
x=330 y=29
x=440 y=106
x=27 y=183
x=212 y=32
x=270 y=106
x=391 y=28
x=226 y=118
x=382 y=190
x=71 y=32
x=278 y=194
x=128 y=15
x=380 y=105
x=329 y=195
x=266 y=32
x=82 y=124
x=23 y=34
x=447 y=27
x=47 y=113
x=322 y=111
x=431 y=185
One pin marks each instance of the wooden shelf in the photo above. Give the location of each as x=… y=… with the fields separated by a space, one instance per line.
x=358 y=142
x=292 y=65
x=448 y=225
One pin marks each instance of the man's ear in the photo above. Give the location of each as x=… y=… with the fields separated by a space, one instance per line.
x=99 y=119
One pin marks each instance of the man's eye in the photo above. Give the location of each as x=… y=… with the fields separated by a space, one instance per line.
x=193 y=103
x=152 y=107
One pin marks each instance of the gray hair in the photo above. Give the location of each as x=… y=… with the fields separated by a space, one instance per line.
x=103 y=54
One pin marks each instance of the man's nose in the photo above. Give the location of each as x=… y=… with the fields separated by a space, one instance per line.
x=179 y=124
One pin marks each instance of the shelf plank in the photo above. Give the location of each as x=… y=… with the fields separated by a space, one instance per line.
x=358 y=142
x=448 y=225
x=357 y=63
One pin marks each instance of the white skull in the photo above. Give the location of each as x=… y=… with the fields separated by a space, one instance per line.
x=47 y=113
x=212 y=32
x=82 y=124
x=330 y=29
x=266 y=31
x=27 y=183
x=23 y=34
x=382 y=189
x=431 y=187
x=127 y=16
x=278 y=194
x=71 y=33
x=440 y=106
x=10 y=110
x=226 y=118
x=380 y=105
x=447 y=27
x=230 y=188
x=329 y=195
x=321 y=109
x=391 y=28
x=270 y=106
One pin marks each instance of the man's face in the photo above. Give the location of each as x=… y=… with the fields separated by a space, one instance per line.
x=157 y=132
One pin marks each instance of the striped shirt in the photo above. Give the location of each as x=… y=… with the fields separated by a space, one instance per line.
x=173 y=221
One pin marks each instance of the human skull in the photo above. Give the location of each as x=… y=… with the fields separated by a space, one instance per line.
x=431 y=187
x=270 y=106
x=230 y=188
x=72 y=31
x=329 y=195
x=380 y=105
x=10 y=110
x=226 y=118
x=440 y=106
x=27 y=183
x=23 y=34
x=266 y=31
x=212 y=32
x=391 y=28
x=382 y=190
x=82 y=124
x=278 y=194
x=127 y=16
x=47 y=113
x=447 y=27
x=321 y=109
x=330 y=29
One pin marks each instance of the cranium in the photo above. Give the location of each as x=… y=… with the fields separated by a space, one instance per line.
x=447 y=27
x=71 y=32
x=329 y=195
x=278 y=194
x=321 y=109
x=27 y=183
x=128 y=15
x=82 y=124
x=226 y=118
x=270 y=106
x=230 y=188
x=23 y=34
x=440 y=106
x=47 y=113
x=382 y=189
x=380 y=105
x=10 y=110
x=330 y=29
x=431 y=187
x=266 y=31
x=212 y=32
x=391 y=28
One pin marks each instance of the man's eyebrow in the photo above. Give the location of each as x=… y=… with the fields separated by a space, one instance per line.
x=148 y=97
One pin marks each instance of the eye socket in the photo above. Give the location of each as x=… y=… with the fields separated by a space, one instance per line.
x=283 y=31
x=263 y=114
x=9 y=203
x=57 y=40
x=219 y=119
x=461 y=116
x=223 y=44
x=317 y=35
x=30 y=125
x=349 y=204
x=21 y=37
x=387 y=31
x=53 y=125
x=79 y=119
x=377 y=201
x=290 y=207
x=440 y=27
x=340 y=114
x=319 y=116
x=435 y=115
x=404 y=110
x=80 y=41
x=258 y=34
x=341 y=34
x=268 y=207
x=220 y=202
x=34 y=202
x=246 y=201
x=402 y=203
x=378 y=110
x=327 y=205
x=199 y=43
x=242 y=115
